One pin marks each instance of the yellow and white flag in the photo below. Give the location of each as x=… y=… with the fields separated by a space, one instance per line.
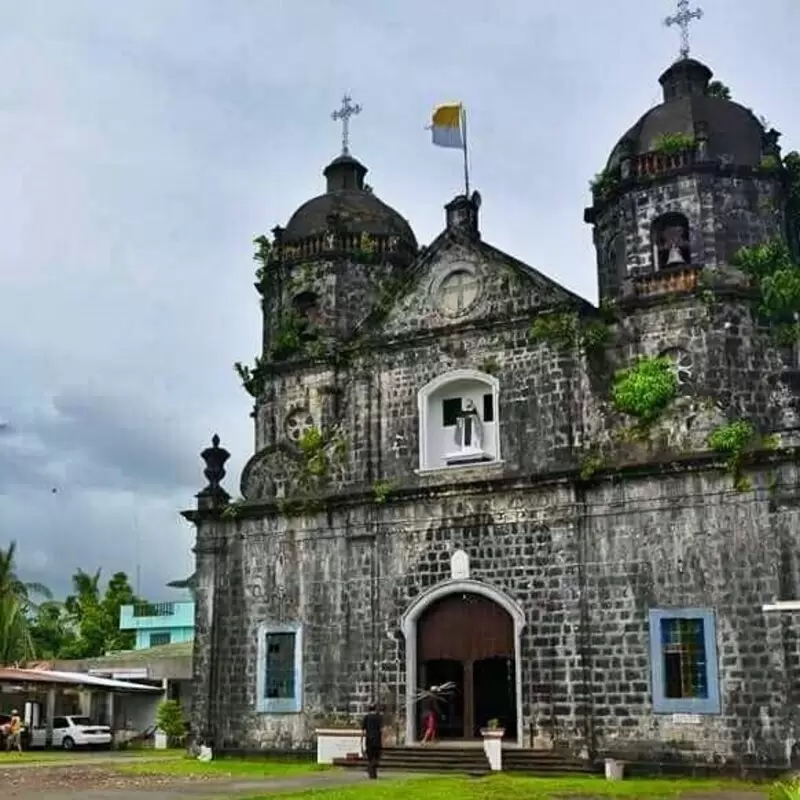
x=447 y=125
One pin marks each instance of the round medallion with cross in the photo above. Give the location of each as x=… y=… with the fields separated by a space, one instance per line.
x=298 y=423
x=457 y=292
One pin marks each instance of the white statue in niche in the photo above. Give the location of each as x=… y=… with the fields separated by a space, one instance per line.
x=459 y=565
x=468 y=436
x=469 y=430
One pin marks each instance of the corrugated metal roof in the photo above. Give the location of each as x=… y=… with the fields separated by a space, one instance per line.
x=14 y=675
x=127 y=657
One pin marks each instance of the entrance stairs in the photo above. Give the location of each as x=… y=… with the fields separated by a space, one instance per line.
x=471 y=760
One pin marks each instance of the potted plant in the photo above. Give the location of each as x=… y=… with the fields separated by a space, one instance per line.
x=493 y=730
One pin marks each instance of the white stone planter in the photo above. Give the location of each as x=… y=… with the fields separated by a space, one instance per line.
x=337 y=743
x=493 y=747
x=615 y=770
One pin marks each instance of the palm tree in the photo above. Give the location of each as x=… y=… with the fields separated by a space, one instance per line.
x=16 y=608
x=10 y=583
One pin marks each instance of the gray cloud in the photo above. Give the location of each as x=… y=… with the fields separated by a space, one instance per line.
x=146 y=144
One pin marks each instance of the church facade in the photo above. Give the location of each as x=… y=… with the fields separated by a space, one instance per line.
x=466 y=475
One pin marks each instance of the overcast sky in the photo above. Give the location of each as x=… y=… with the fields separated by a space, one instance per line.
x=145 y=144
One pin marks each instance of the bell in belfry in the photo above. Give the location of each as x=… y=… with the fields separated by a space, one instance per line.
x=675 y=257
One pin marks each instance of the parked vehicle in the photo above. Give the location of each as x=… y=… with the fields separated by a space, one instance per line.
x=70 y=732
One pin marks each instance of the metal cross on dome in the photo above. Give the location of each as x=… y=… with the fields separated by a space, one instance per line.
x=682 y=20
x=348 y=109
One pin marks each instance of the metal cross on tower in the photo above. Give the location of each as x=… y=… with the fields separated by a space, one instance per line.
x=682 y=20
x=347 y=110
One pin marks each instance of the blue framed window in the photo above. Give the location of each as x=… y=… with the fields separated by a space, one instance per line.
x=280 y=669
x=683 y=661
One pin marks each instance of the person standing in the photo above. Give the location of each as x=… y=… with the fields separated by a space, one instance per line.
x=429 y=726
x=372 y=740
x=14 y=738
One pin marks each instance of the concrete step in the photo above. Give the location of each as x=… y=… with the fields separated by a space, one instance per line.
x=472 y=760
x=427 y=759
x=544 y=761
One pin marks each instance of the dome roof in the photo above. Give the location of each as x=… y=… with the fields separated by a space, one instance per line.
x=733 y=132
x=350 y=206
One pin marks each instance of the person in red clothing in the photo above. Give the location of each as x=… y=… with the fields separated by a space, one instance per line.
x=429 y=726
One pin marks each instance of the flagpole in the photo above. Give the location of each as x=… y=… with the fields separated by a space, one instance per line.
x=466 y=159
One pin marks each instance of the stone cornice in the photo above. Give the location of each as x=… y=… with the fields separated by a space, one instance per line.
x=699 y=168
x=670 y=464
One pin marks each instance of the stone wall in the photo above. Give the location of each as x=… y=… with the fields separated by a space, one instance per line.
x=586 y=563
x=727 y=208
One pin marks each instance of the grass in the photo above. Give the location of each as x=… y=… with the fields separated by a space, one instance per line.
x=510 y=787
x=81 y=757
x=256 y=768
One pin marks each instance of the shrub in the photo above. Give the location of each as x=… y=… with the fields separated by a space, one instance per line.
x=645 y=389
x=169 y=718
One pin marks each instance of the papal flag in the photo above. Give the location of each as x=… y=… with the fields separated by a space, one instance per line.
x=447 y=125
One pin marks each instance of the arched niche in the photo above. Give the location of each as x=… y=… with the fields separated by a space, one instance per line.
x=459 y=420
x=670 y=241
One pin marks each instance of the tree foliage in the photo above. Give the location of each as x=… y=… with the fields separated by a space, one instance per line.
x=95 y=615
x=169 y=718
x=35 y=626
x=17 y=605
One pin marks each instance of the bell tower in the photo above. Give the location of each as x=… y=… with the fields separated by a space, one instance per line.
x=321 y=275
x=695 y=179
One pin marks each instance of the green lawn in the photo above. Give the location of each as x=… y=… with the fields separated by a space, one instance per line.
x=508 y=787
x=254 y=768
x=79 y=757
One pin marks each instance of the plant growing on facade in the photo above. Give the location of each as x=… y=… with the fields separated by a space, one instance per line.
x=567 y=329
x=292 y=332
x=263 y=256
x=558 y=329
x=791 y=167
x=776 y=277
x=604 y=183
x=733 y=440
x=670 y=144
x=645 y=389
x=252 y=377
x=320 y=455
x=231 y=511
x=594 y=335
x=490 y=365
x=381 y=489
x=367 y=246
x=591 y=462
x=718 y=89
x=770 y=162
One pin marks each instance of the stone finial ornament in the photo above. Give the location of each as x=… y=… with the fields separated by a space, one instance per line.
x=215 y=458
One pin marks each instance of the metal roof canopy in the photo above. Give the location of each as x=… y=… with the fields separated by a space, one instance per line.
x=52 y=677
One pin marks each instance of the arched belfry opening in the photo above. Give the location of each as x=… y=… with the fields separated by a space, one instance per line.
x=469 y=639
x=670 y=237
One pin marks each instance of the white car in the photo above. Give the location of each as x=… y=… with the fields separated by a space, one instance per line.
x=71 y=732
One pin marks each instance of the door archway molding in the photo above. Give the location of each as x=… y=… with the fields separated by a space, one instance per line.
x=421 y=603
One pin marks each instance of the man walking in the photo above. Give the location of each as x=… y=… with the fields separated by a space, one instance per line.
x=371 y=740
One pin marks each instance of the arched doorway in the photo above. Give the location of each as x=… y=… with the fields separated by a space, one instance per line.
x=469 y=639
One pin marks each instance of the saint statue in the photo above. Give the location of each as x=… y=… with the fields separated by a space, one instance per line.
x=469 y=430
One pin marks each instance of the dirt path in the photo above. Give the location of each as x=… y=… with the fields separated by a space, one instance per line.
x=95 y=783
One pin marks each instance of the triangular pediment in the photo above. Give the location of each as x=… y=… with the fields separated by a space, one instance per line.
x=460 y=280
